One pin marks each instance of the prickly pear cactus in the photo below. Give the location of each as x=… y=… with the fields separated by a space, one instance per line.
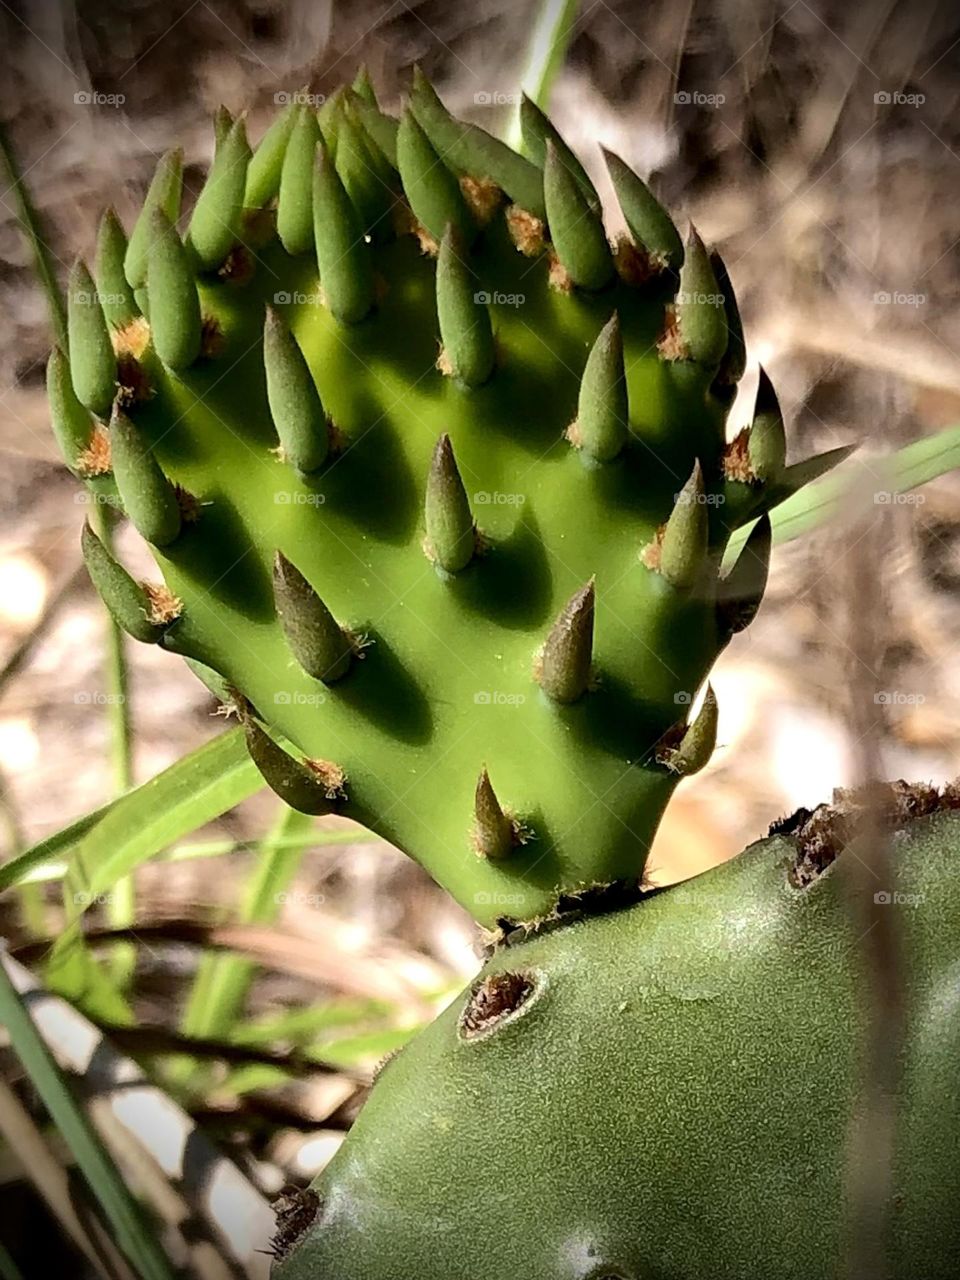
x=664 y=1092
x=436 y=480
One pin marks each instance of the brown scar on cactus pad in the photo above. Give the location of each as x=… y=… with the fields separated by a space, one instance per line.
x=211 y=338
x=823 y=833
x=334 y=779
x=132 y=339
x=670 y=343
x=736 y=458
x=165 y=607
x=94 y=460
x=133 y=385
x=483 y=197
x=297 y=1210
x=239 y=266
x=526 y=231
x=494 y=999
x=635 y=266
x=650 y=553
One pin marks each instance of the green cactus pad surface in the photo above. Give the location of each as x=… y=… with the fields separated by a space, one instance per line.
x=447 y=414
x=664 y=1091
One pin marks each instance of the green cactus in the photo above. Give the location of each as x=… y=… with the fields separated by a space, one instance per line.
x=437 y=482
x=433 y=507
x=663 y=1091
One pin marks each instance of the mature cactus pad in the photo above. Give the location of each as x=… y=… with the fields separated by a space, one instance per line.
x=436 y=479
x=662 y=1093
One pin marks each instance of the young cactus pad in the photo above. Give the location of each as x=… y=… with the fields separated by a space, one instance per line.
x=436 y=480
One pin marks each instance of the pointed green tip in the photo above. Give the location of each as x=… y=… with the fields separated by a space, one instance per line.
x=537 y=129
x=576 y=230
x=566 y=658
x=363 y=85
x=266 y=163
x=301 y=787
x=215 y=222
x=700 y=306
x=493 y=833
x=767 y=442
x=697 y=744
x=164 y=193
x=295 y=199
x=317 y=641
x=465 y=328
x=432 y=190
x=343 y=256
x=295 y=406
x=740 y=593
x=116 y=295
x=175 y=320
x=601 y=428
x=451 y=534
x=684 y=546
x=127 y=601
x=93 y=364
x=222 y=124
x=71 y=422
x=149 y=499
x=648 y=222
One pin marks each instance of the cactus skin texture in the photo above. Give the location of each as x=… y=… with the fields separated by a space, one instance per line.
x=673 y=1100
x=444 y=366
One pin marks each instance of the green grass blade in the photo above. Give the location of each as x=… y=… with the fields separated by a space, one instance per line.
x=46 y=864
x=913 y=465
x=198 y=788
x=552 y=33
x=30 y=225
x=33 y=865
x=216 y=1000
x=134 y=1234
x=195 y=790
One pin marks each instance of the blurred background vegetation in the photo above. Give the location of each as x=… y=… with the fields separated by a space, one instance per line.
x=268 y=963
